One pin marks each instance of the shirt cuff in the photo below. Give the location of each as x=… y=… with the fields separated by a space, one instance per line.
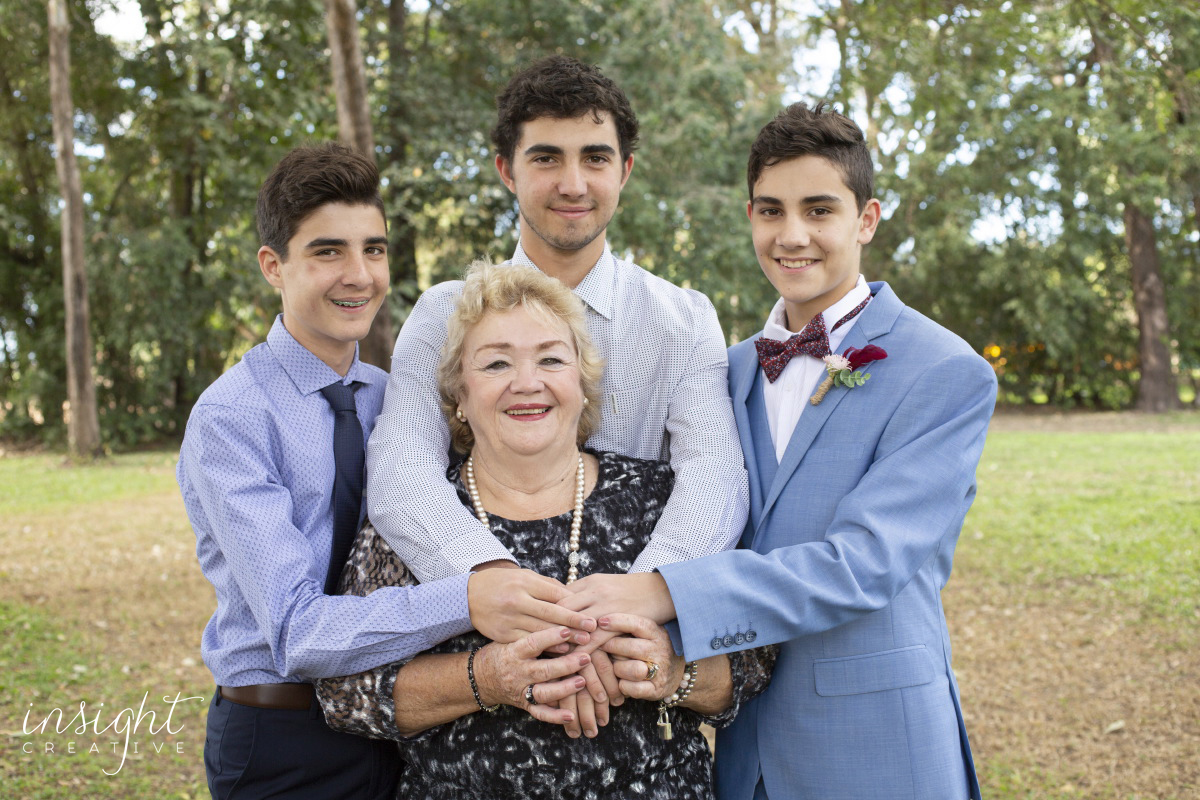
x=449 y=597
x=464 y=553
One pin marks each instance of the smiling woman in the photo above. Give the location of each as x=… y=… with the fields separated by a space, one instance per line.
x=521 y=383
x=519 y=380
x=520 y=318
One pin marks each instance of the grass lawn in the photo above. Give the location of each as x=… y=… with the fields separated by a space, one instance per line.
x=1074 y=607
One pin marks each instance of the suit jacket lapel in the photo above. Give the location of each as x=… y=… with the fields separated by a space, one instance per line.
x=743 y=369
x=876 y=320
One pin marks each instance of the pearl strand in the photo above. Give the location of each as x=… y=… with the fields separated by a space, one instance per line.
x=576 y=513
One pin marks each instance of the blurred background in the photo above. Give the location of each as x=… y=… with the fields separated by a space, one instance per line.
x=1038 y=165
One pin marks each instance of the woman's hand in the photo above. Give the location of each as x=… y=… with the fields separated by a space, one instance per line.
x=503 y=671
x=646 y=643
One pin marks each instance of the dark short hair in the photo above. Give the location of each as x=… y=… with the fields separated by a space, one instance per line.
x=308 y=178
x=818 y=131
x=563 y=88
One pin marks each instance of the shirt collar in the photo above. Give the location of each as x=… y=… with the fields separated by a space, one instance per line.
x=776 y=325
x=306 y=371
x=597 y=287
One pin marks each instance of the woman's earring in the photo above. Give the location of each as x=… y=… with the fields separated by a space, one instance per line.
x=459 y=415
x=586 y=401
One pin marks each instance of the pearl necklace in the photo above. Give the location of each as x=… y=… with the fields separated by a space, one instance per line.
x=576 y=514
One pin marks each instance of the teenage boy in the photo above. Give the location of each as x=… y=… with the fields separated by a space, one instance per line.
x=564 y=138
x=271 y=475
x=857 y=496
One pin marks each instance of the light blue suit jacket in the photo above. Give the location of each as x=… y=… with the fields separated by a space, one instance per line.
x=849 y=543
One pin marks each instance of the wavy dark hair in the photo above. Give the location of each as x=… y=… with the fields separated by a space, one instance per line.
x=818 y=131
x=563 y=88
x=308 y=178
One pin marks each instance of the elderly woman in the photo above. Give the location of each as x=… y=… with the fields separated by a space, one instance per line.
x=520 y=380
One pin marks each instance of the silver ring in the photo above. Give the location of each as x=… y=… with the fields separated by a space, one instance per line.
x=529 y=695
x=651 y=670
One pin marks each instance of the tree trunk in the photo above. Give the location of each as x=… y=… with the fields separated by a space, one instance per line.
x=83 y=424
x=1156 y=388
x=397 y=124
x=354 y=130
x=1196 y=210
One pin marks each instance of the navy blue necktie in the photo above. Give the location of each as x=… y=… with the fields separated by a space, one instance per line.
x=349 y=460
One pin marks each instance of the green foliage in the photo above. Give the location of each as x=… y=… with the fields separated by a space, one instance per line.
x=850 y=379
x=1047 y=118
x=176 y=134
x=1009 y=139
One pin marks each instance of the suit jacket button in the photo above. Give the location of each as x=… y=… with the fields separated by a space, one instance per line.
x=739 y=638
x=728 y=640
x=751 y=636
x=716 y=643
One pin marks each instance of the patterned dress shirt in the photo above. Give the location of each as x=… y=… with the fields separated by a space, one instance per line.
x=256 y=471
x=665 y=396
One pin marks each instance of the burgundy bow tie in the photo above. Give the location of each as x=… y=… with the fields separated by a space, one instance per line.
x=812 y=340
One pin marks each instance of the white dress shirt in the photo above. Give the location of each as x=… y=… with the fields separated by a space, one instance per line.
x=788 y=396
x=665 y=396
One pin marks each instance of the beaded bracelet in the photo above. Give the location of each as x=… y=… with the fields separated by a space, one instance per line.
x=475 y=686
x=685 y=688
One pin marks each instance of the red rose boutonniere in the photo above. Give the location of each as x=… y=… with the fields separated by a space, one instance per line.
x=844 y=370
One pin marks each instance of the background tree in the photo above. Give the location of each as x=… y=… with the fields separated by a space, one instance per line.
x=355 y=130
x=83 y=425
x=1012 y=140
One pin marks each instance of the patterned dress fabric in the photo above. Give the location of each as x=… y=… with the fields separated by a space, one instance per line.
x=509 y=754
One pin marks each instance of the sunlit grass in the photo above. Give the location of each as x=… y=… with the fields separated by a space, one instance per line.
x=1088 y=519
x=1067 y=512
x=46 y=483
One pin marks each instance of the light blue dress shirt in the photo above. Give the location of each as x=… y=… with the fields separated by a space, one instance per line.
x=256 y=471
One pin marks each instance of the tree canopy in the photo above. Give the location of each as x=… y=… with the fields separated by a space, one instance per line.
x=1031 y=157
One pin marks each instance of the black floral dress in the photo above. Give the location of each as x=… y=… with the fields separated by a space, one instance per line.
x=509 y=754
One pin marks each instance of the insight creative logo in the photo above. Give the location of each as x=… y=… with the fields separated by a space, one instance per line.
x=126 y=724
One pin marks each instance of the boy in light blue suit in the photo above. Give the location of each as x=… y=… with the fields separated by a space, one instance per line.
x=858 y=490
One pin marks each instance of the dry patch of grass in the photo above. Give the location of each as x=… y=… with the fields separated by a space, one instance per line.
x=101 y=602
x=1075 y=608
x=1079 y=698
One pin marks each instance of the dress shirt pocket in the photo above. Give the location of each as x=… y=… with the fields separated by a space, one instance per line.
x=633 y=422
x=874 y=672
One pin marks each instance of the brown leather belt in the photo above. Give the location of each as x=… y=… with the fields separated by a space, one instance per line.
x=290 y=696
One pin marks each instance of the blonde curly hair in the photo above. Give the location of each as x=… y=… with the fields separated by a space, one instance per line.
x=491 y=288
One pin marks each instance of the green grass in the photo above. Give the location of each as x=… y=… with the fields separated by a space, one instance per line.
x=42 y=663
x=1093 y=519
x=1076 y=513
x=46 y=483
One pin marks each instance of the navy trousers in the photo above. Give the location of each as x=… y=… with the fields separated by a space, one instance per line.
x=256 y=753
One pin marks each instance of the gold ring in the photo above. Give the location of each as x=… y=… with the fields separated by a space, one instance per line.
x=651 y=670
